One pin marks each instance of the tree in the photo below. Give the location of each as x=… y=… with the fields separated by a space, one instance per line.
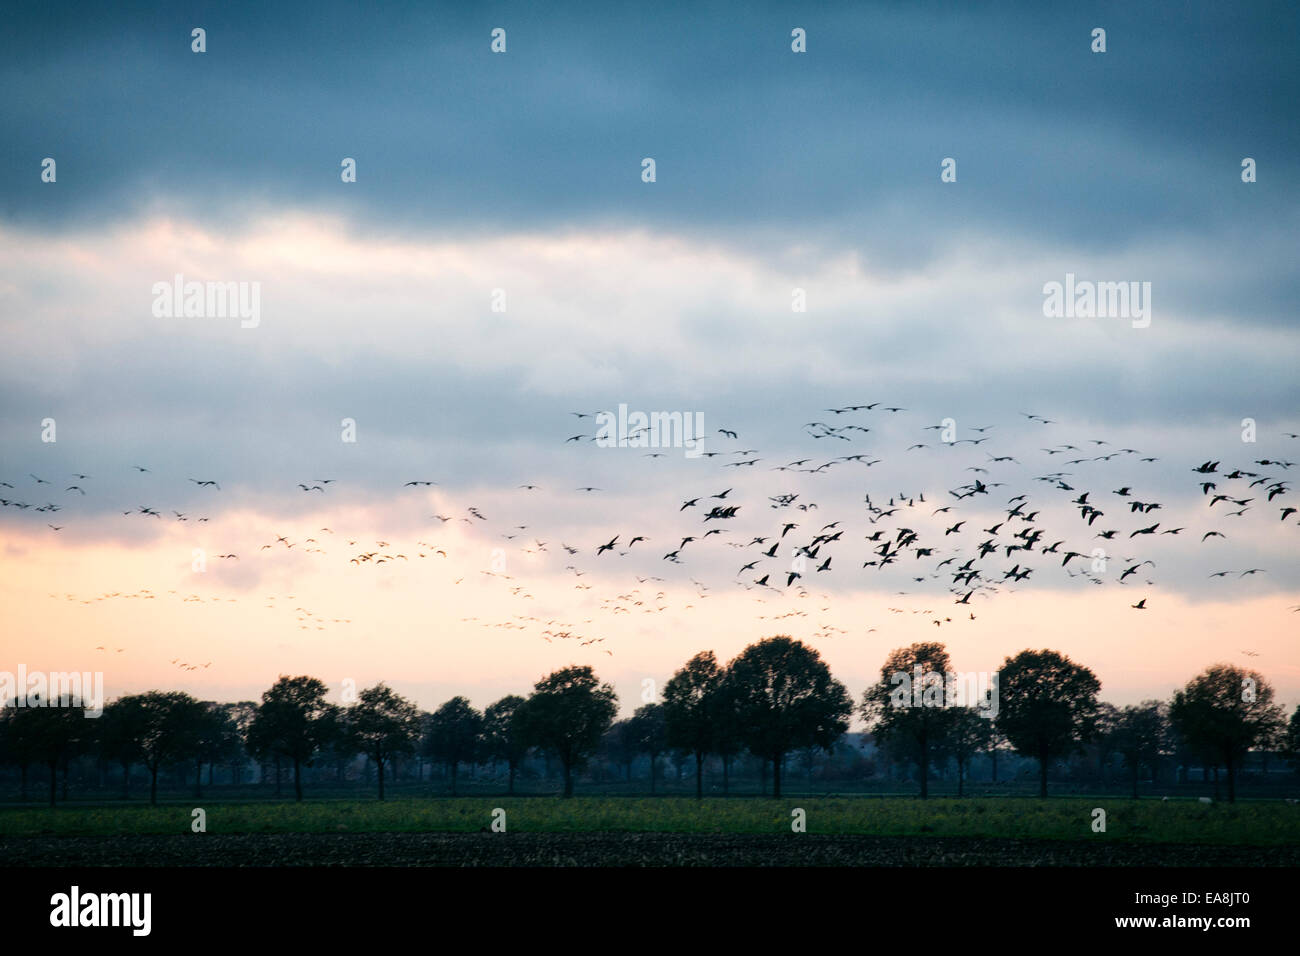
x=240 y=715
x=342 y=745
x=906 y=709
x=13 y=748
x=785 y=698
x=969 y=733
x=118 y=732
x=502 y=735
x=381 y=725
x=1048 y=706
x=48 y=734
x=1104 y=740
x=693 y=710
x=1140 y=734
x=454 y=735
x=217 y=739
x=1291 y=741
x=1226 y=710
x=619 y=744
x=294 y=721
x=650 y=730
x=567 y=714
x=997 y=741
x=171 y=728
x=728 y=734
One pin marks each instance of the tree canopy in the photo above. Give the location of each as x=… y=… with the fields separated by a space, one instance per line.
x=1047 y=706
x=785 y=698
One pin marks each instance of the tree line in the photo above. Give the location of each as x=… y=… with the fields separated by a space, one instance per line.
x=774 y=698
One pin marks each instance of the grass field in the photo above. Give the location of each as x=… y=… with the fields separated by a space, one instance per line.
x=1148 y=821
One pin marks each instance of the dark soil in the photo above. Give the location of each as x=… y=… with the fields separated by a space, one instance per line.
x=613 y=849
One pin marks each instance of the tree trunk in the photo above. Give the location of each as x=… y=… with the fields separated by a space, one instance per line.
x=511 y=789
x=776 y=776
x=993 y=755
x=126 y=780
x=699 y=776
x=1232 y=778
x=277 y=775
x=65 y=779
x=54 y=778
x=1135 y=780
x=568 y=779
x=961 y=772
x=1042 y=772
x=380 y=764
x=726 y=775
x=153 y=785
x=297 y=779
x=653 y=761
x=198 y=777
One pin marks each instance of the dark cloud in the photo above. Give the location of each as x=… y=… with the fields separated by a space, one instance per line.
x=844 y=142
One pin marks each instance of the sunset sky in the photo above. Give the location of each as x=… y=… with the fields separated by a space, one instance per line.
x=521 y=171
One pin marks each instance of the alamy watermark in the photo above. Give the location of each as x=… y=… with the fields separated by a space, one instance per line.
x=922 y=688
x=75 y=908
x=179 y=299
x=654 y=430
x=83 y=689
x=1086 y=299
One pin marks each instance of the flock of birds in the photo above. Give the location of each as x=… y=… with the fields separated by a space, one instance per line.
x=1000 y=524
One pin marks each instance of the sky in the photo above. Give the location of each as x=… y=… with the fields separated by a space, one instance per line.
x=500 y=263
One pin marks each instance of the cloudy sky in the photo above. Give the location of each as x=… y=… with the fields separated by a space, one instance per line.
x=500 y=263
